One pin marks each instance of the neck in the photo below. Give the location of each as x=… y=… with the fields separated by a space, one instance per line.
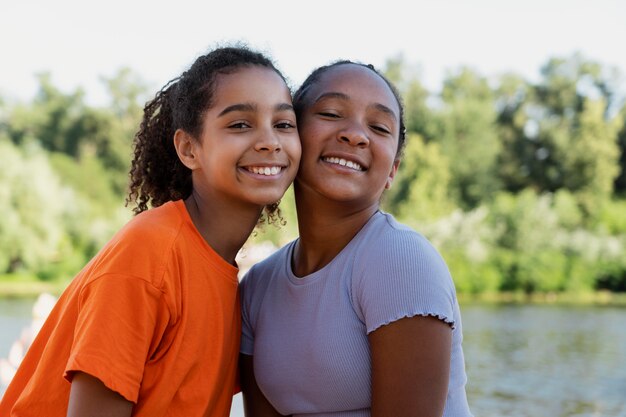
x=224 y=227
x=325 y=227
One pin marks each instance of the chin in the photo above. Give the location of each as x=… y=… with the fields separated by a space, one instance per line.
x=267 y=200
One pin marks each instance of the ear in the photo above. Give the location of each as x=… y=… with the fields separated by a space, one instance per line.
x=392 y=174
x=186 y=148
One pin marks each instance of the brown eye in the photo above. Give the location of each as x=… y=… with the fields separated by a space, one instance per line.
x=239 y=125
x=285 y=125
x=381 y=129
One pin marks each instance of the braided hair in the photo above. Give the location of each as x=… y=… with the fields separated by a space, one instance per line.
x=157 y=175
x=313 y=78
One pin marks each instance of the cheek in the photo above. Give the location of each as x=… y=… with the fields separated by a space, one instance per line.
x=311 y=132
x=387 y=151
x=312 y=145
x=294 y=148
x=306 y=148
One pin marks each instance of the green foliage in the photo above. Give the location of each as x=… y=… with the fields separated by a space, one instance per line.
x=279 y=234
x=63 y=167
x=420 y=189
x=559 y=133
x=468 y=137
x=466 y=242
x=529 y=228
x=32 y=206
x=620 y=181
x=97 y=211
x=419 y=118
x=47 y=226
x=591 y=162
x=63 y=123
x=127 y=92
x=519 y=184
x=471 y=277
x=547 y=251
x=612 y=217
x=89 y=178
x=567 y=210
x=517 y=131
x=530 y=243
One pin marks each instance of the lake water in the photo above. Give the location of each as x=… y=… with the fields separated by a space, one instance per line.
x=522 y=361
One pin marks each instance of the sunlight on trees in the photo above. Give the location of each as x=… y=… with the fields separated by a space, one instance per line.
x=520 y=184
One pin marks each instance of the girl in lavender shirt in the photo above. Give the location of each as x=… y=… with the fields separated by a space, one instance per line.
x=359 y=316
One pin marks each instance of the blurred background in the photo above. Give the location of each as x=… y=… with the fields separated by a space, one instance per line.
x=515 y=166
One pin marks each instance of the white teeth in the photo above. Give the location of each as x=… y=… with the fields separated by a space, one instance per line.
x=265 y=170
x=343 y=162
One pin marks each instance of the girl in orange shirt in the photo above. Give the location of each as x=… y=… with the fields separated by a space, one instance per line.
x=151 y=326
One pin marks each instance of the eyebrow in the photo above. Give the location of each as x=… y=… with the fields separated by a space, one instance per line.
x=283 y=107
x=250 y=107
x=385 y=109
x=341 y=96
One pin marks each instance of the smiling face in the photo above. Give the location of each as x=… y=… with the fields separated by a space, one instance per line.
x=349 y=128
x=249 y=150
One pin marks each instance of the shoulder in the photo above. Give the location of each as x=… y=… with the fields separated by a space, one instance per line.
x=397 y=262
x=388 y=242
x=399 y=273
x=142 y=247
x=156 y=223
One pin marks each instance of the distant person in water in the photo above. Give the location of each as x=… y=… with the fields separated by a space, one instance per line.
x=151 y=326
x=358 y=316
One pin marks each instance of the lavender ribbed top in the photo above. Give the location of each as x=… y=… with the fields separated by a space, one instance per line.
x=309 y=335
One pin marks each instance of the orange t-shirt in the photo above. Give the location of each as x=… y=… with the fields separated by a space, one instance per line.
x=155 y=316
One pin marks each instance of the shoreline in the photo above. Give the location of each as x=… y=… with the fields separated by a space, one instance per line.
x=597 y=298
x=30 y=289
x=10 y=289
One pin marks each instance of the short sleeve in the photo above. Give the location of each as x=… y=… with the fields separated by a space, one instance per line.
x=401 y=275
x=247 y=334
x=114 y=331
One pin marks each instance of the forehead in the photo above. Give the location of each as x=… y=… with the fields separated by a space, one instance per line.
x=358 y=83
x=250 y=81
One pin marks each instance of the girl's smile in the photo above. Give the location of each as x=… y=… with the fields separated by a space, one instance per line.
x=249 y=149
x=349 y=132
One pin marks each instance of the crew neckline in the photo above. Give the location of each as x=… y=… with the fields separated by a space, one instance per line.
x=314 y=276
x=203 y=245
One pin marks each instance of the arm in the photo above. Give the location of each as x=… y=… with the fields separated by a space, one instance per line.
x=410 y=367
x=254 y=402
x=90 y=397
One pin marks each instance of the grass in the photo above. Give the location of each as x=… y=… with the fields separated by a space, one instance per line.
x=28 y=286
x=604 y=298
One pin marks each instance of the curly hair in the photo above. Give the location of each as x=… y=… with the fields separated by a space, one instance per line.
x=313 y=78
x=157 y=175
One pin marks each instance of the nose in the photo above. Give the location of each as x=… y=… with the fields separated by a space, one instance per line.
x=268 y=141
x=354 y=134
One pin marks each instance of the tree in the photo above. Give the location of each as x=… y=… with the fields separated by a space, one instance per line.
x=29 y=234
x=420 y=191
x=591 y=161
x=127 y=91
x=468 y=136
x=517 y=132
x=552 y=132
x=64 y=123
x=419 y=118
x=620 y=181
